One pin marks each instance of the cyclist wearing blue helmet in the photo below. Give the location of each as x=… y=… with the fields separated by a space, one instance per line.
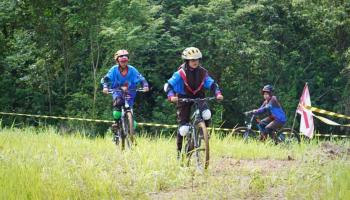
x=277 y=117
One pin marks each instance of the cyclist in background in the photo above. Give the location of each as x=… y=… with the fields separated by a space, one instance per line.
x=277 y=117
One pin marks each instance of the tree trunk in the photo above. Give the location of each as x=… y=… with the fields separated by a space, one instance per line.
x=94 y=63
x=48 y=89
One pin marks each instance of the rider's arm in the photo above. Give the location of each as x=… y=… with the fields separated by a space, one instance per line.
x=105 y=80
x=173 y=81
x=265 y=107
x=108 y=78
x=209 y=83
x=140 y=78
x=143 y=81
x=168 y=88
x=215 y=89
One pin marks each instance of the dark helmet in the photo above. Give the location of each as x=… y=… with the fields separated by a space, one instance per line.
x=267 y=88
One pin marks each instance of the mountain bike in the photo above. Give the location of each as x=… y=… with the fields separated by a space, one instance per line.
x=123 y=129
x=196 y=149
x=285 y=135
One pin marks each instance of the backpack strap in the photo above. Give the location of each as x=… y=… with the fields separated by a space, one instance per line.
x=184 y=78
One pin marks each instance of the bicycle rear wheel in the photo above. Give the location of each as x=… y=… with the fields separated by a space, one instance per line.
x=287 y=135
x=199 y=155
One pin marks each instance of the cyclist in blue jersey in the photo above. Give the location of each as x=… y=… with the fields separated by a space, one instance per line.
x=122 y=76
x=277 y=117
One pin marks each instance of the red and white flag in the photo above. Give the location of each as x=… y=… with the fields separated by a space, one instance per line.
x=306 y=121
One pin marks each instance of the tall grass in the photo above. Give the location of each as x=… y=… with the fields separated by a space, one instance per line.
x=41 y=164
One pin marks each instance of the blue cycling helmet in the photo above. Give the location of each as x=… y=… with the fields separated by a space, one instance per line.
x=268 y=89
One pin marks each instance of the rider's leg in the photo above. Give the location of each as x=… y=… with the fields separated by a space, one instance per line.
x=206 y=113
x=117 y=104
x=271 y=127
x=263 y=123
x=262 y=128
x=116 y=117
x=183 y=118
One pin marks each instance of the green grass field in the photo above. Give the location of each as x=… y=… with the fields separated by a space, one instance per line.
x=41 y=164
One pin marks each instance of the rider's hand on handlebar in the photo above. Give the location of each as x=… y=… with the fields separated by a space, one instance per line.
x=249 y=112
x=174 y=99
x=124 y=88
x=105 y=90
x=145 y=89
x=219 y=97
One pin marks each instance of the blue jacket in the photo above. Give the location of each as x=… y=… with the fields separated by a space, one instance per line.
x=131 y=79
x=274 y=108
x=114 y=80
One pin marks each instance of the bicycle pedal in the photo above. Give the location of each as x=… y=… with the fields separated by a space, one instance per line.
x=115 y=126
x=115 y=139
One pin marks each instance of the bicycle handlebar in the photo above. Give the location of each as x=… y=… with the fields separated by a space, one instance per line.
x=196 y=99
x=247 y=113
x=110 y=91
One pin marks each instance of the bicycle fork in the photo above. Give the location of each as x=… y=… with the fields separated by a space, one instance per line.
x=196 y=144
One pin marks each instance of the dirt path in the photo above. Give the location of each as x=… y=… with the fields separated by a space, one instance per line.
x=223 y=168
x=246 y=177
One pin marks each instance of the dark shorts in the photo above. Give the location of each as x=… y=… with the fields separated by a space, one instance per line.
x=271 y=123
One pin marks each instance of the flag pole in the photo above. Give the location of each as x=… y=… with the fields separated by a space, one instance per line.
x=295 y=116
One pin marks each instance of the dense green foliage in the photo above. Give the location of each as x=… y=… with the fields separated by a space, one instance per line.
x=53 y=53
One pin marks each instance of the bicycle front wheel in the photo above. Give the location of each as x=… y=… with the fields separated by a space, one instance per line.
x=247 y=134
x=199 y=155
x=128 y=131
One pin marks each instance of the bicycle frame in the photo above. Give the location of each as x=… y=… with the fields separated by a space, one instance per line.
x=196 y=117
x=249 y=126
x=193 y=136
x=125 y=109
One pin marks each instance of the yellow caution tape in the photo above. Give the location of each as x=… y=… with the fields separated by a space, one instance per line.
x=139 y=123
x=56 y=117
x=329 y=122
x=318 y=110
x=331 y=135
x=103 y=121
x=326 y=120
